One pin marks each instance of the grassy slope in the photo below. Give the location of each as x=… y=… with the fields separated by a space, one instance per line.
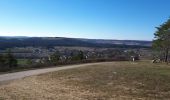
x=115 y=80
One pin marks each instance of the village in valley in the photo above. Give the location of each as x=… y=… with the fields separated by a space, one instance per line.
x=84 y=50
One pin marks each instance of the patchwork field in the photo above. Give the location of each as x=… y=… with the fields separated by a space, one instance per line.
x=106 y=81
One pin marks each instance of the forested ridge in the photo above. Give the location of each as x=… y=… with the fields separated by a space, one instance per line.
x=51 y=42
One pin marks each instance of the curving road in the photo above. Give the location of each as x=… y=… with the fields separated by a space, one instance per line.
x=18 y=75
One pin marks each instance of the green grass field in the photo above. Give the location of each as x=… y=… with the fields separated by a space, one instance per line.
x=108 y=81
x=22 y=61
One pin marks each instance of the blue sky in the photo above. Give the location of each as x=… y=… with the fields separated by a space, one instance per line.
x=99 y=19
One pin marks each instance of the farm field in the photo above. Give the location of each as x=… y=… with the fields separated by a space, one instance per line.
x=107 y=81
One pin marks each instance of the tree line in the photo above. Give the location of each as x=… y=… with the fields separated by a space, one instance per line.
x=51 y=43
x=55 y=58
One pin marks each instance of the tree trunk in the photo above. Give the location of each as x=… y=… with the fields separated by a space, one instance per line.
x=166 y=55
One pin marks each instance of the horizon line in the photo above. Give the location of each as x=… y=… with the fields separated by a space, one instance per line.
x=77 y=38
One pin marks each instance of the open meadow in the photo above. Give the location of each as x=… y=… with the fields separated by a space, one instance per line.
x=107 y=81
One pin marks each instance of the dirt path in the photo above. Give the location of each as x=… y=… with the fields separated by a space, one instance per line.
x=18 y=75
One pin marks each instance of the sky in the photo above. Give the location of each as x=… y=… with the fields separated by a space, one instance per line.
x=93 y=19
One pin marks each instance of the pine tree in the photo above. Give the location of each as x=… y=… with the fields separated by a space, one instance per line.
x=162 y=39
x=10 y=60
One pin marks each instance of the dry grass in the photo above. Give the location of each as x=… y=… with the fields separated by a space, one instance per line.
x=107 y=81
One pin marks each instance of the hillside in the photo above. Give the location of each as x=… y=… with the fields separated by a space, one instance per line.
x=10 y=42
x=102 y=81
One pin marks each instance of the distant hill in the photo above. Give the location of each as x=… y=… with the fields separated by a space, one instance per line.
x=120 y=42
x=49 y=42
